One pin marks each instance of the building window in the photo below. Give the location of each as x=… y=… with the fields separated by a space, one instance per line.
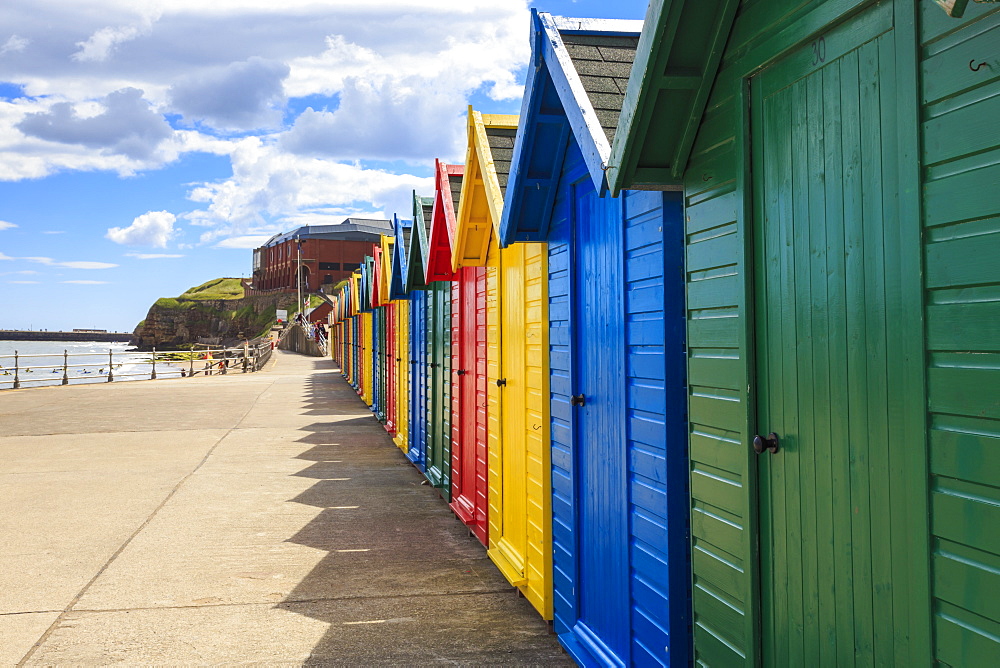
x=329 y=266
x=351 y=266
x=327 y=278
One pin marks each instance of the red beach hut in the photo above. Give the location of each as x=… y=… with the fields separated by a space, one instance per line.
x=469 y=450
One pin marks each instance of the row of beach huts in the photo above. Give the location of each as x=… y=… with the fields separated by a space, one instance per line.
x=704 y=346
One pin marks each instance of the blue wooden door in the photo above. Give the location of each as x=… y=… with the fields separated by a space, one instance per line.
x=599 y=372
x=418 y=396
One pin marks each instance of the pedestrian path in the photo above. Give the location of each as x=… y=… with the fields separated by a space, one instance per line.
x=261 y=518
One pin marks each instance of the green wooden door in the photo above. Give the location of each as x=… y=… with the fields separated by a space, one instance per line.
x=825 y=184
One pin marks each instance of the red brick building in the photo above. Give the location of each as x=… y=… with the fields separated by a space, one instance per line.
x=329 y=254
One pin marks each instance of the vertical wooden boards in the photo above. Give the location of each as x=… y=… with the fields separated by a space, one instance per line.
x=598 y=347
x=433 y=392
x=619 y=463
x=458 y=401
x=403 y=366
x=477 y=348
x=418 y=376
x=960 y=95
x=378 y=362
x=438 y=416
x=727 y=323
x=822 y=311
x=368 y=357
x=391 y=366
x=520 y=503
x=469 y=402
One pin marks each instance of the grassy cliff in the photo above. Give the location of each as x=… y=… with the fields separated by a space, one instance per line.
x=216 y=309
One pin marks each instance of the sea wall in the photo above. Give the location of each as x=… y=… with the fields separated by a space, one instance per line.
x=296 y=341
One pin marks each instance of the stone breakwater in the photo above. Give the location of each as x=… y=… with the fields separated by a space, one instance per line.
x=22 y=335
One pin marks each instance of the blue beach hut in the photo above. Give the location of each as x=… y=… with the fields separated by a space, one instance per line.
x=616 y=324
x=419 y=357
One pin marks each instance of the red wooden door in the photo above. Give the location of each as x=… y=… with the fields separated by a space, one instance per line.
x=480 y=400
x=391 y=341
x=469 y=401
x=461 y=501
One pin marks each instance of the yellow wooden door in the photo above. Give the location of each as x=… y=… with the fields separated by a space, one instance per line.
x=366 y=357
x=520 y=507
x=402 y=397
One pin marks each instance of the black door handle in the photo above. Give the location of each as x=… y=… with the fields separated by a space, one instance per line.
x=577 y=400
x=501 y=382
x=461 y=372
x=760 y=444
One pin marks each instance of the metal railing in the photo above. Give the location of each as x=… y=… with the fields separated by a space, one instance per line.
x=132 y=364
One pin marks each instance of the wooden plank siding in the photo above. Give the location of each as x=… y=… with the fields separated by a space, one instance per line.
x=961 y=174
x=720 y=335
x=517 y=353
x=418 y=378
x=403 y=386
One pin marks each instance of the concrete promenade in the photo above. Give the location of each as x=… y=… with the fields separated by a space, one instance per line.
x=251 y=518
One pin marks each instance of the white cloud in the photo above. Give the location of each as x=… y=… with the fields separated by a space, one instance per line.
x=14 y=44
x=53 y=231
x=83 y=282
x=269 y=186
x=152 y=256
x=73 y=264
x=241 y=96
x=154 y=228
x=85 y=265
x=126 y=125
x=247 y=241
x=388 y=121
x=24 y=282
x=4 y=225
x=99 y=46
x=395 y=77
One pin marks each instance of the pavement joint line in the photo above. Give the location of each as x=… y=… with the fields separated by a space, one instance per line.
x=27 y=612
x=295 y=601
x=128 y=541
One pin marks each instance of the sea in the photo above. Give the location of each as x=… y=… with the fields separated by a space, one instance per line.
x=37 y=358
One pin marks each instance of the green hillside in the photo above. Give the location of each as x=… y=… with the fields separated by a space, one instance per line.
x=219 y=288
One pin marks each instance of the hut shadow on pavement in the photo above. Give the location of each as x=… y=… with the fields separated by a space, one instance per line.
x=402 y=581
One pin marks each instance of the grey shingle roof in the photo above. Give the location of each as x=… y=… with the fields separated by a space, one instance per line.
x=502 y=149
x=603 y=63
x=455 y=181
x=406 y=239
x=428 y=216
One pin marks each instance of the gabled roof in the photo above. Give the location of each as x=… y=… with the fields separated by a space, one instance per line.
x=385 y=268
x=675 y=66
x=487 y=165
x=574 y=91
x=367 y=274
x=377 y=277
x=401 y=241
x=416 y=254
x=357 y=289
x=444 y=225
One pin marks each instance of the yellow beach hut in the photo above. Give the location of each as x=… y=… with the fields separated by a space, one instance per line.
x=520 y=517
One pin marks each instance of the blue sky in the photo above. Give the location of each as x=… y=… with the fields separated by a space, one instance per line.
x=144 y=151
